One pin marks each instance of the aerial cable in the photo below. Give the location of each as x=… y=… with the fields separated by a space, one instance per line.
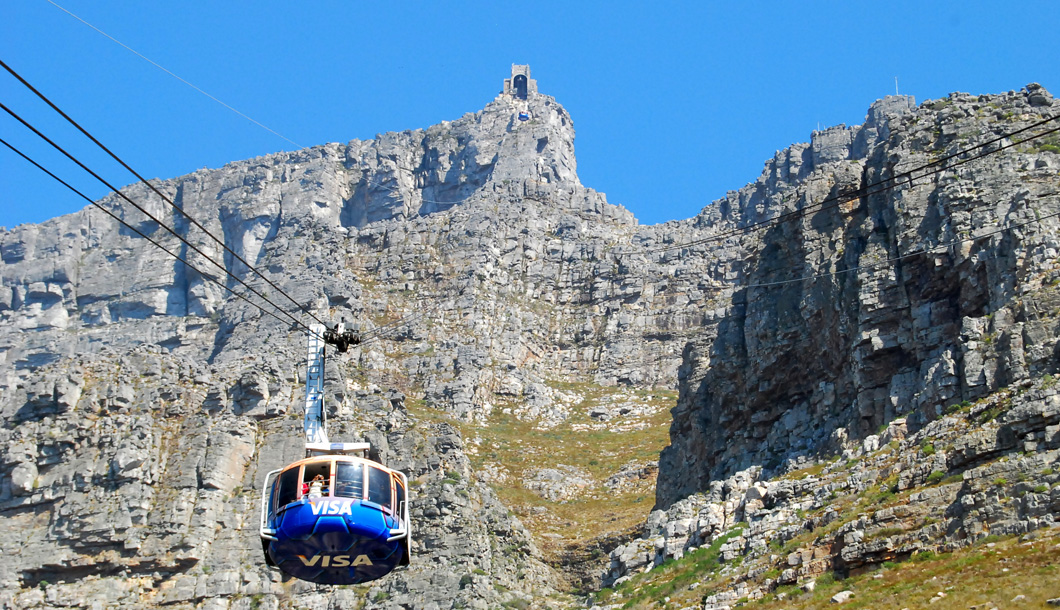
x=390 y=326
x=155 y=64
x=834 y=201
x=374 y=333
x=265 y=127
x=934 y=167
x=241 y=114
x=148 y=214
x=138 y=232
x=301 y=307
x=907 y=176
x=847 y=197
x=939 y=249
x=382 y=330
x=933 y=249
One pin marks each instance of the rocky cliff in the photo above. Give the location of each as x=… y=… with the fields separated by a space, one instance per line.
x=907 y=328
x=142 y=404
x=898 y=302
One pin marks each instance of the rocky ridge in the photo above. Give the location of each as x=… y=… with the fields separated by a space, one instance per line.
x=867 y=325
x=892 y=304
x=141 y=404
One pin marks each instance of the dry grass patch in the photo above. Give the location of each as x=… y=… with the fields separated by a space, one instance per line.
x=981 y=576
x=520 y=448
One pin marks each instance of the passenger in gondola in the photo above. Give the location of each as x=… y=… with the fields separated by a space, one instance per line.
x=316 y=486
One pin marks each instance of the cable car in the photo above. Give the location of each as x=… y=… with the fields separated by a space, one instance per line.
x=524 y=116
x=334 y=517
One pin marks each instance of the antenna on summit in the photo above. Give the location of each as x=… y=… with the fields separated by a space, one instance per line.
x=896 y=85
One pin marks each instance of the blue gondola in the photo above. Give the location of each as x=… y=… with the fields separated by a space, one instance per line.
x=524 y=116
x=351 y=529
x=335 y=517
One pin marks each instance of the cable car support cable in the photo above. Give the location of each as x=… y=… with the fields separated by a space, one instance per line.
x=205 y=275
x=163 y=68
x=302 y=308
x=149 y=215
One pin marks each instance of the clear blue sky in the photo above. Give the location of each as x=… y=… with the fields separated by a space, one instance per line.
x=674 y=103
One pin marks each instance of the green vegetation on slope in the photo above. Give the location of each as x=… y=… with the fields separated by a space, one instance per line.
x=995 y=570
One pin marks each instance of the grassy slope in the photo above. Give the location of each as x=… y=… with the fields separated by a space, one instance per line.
x=572 y=529
x=990 y=574
x=601 y=449
x=993 y=573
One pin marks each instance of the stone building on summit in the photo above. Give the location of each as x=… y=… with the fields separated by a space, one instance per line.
x=520 y=85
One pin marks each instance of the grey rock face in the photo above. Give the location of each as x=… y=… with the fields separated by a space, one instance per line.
x=964 y=481
x=143 y=404
x=137 y=480
x=896 y=302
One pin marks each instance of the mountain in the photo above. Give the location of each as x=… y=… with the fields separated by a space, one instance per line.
x=529 y=340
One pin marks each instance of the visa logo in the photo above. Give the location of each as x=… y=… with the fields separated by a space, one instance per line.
x=335 y=561
x=331 y=508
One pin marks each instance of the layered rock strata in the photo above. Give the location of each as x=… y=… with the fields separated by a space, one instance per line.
x=143 y=403
x=881 y=294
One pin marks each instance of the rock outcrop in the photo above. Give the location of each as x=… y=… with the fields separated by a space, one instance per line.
x=984 y=469
x=143 y=403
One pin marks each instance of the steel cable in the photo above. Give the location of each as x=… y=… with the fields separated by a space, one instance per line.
x=301 y=307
